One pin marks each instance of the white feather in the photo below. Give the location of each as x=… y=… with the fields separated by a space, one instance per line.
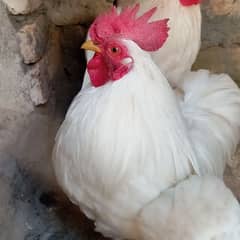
x=199 y=208
x=211 y=107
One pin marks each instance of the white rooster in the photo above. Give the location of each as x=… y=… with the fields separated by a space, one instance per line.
x=180 y=51
x=127 y=139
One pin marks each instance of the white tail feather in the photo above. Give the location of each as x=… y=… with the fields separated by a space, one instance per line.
x=211 y=107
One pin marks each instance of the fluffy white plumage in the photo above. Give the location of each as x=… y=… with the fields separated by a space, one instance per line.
x=178 y=54
x=198 y=208
x=211 y=107
x=124 y=144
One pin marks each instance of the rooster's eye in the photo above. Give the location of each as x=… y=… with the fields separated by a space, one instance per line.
x=115 y=49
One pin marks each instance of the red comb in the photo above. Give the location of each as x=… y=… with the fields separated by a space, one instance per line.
x=149 y=36
x=190 y=2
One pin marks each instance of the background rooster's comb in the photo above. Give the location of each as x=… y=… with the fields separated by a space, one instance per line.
x=187 y=3
x=150 y=36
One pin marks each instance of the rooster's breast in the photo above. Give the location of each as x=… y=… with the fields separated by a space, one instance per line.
x=115 y=152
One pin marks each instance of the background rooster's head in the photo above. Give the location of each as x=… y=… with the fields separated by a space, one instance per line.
x=112 y=59
x=190 y=2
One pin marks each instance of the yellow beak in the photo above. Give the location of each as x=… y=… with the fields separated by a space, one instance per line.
x=89 y=45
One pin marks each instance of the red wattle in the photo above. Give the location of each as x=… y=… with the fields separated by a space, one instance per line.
x=98 y=70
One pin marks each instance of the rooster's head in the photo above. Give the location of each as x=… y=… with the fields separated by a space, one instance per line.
x=112 y=59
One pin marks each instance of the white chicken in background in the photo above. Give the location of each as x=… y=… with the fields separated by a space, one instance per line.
x=180 y=51
x=127 y=139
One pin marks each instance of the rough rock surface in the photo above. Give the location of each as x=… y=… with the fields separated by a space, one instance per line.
x=44 y=71
x=22 y=6
x=67 y=12
x=223 y=7
x=221 y=37
x=33 y=39
x=13 y=86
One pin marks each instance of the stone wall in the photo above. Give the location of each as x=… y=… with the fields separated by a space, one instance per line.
x=221 y=37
